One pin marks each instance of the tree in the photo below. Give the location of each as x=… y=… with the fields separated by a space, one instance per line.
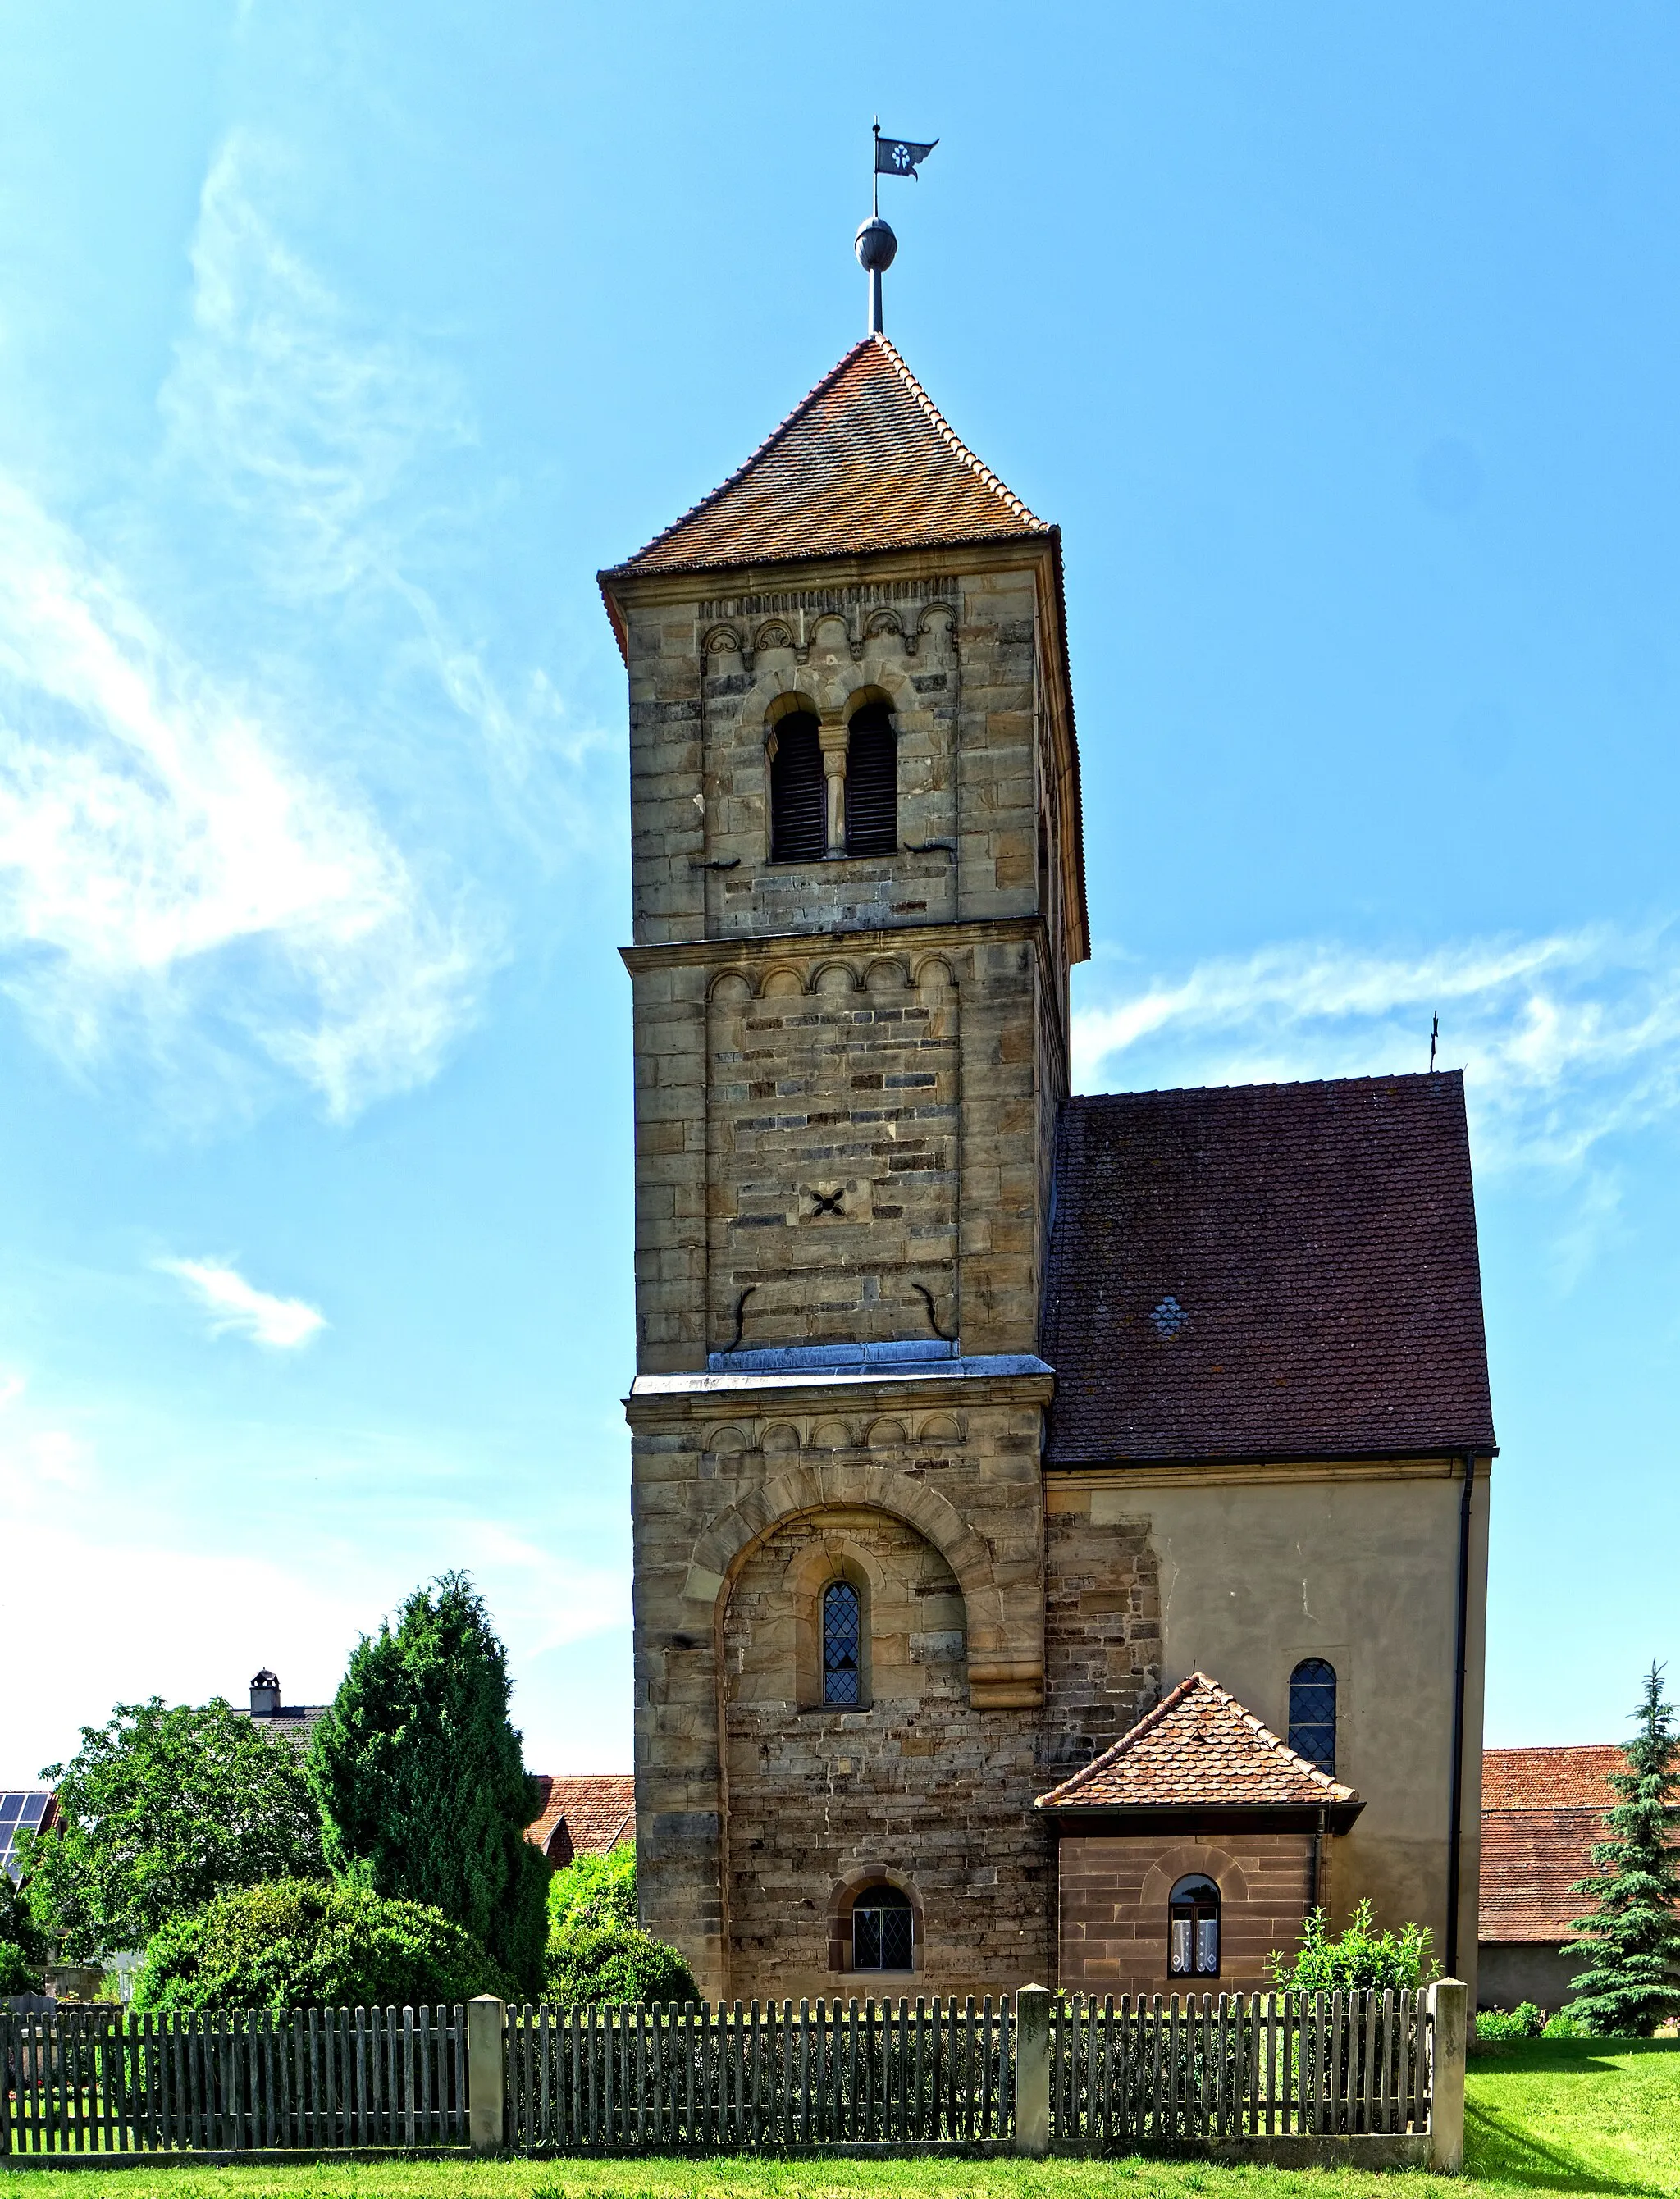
x=299 y=1944
x=596 y=1952
x=23 y=1944
x=420 y=1779
x=160 y=1810
x=1631 y=1942
x=594 y=1889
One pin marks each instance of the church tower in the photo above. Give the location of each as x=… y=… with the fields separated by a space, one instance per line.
x=858 y=892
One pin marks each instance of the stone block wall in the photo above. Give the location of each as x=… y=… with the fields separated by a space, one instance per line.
x=1114 y=1890
x=918 y=1788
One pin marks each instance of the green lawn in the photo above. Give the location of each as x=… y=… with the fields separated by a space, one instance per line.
x=1569 y=2115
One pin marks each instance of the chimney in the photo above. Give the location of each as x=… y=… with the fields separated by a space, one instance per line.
x=266 y=1695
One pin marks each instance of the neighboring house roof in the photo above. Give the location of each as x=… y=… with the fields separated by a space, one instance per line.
x=586 y=1813
x=865 y=463
x=1266 y=1271
x=1199 y=1749
x=293 y=1721
x=1567 y=1778
x=23 y=1810
x=1529 y=1860
x=1543 y=1809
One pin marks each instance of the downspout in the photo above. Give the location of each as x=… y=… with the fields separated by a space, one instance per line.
x=1455 y=1830
x=1316 y=1900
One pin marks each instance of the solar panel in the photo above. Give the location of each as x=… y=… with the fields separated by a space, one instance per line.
x=21 y=1810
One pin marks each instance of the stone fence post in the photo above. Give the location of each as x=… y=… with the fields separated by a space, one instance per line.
x=1448 y=2044
x=1032 y=2071
x=487 y=2072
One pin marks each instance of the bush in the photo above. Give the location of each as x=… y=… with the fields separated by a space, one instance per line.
x=615 y=1961
x=300 y=1944
x=1525 y=2021
x=18 y=1974
x=1362 y=1960
x=1564 y=2026
x=594 y=1889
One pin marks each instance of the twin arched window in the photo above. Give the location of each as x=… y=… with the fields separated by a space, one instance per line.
x=799 y=788
x=1312 y=1713
x=1193 y=1928
x=843 y=1646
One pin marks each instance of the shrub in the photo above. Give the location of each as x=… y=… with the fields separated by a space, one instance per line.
x=615 y=1961
x=300 y=1944
x=18 y=1974
x=1525 y=2021
x=594 y=1889
x=1563 y=2026
x=23 y=1945
x=1362 y=1960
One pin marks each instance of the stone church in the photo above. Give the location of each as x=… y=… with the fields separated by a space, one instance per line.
x=1060 y=1523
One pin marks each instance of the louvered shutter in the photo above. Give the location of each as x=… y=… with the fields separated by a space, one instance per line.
x=872 y=785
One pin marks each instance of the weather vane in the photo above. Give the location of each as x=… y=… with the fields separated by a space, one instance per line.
x=876 y=243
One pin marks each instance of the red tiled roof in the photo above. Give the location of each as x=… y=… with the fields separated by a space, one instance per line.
x=1266 y=1271
x=597 y=1809
x=865 y=463
x=1529 y=1860
x=1576 y=1778
x=1199 y=1749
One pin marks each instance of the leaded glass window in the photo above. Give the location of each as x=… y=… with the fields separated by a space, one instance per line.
x=1192 y=1930
x=1312 y=1713
x=882 y=1930
x=843 y=1646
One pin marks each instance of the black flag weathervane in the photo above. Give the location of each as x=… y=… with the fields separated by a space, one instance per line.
x=876 y=243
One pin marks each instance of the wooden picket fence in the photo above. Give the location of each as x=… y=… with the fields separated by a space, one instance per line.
x=714 y=2080
x=1143 y=2072
x=93 y=2080
x=1243 y=2069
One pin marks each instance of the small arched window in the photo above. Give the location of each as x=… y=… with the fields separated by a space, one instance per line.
x=843 y=1646
x=1312 y=1713
x=883 y=1935
x=871 y=783
x=1192 y=1930
x=798 y=797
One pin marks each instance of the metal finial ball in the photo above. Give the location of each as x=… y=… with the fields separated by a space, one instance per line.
x=876 y=246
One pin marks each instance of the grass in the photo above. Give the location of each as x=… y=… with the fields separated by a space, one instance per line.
x=1564 y=2115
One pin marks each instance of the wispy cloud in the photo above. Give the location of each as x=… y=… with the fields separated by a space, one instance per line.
x=324 y=437
x=162 y=856
x=1566 y=1039
x=237 y=1308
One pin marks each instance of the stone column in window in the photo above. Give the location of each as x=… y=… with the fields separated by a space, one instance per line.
x=834 y=735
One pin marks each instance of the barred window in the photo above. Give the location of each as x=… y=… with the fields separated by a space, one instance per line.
x=871 y=783
x=843 y=1646
x=798 y=796
x=883 y=1935
x=1312 y=1713
x=1192 y=1930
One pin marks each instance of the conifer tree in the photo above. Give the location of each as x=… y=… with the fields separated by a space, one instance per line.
x=421 y=1780
x=1632 y=1942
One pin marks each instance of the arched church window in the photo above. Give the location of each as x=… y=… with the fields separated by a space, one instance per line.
x=871 y=783
x=843 y=1646
x=798 y=798
x=1312 y=1713
x=1192 y=1930
x=883 y=1936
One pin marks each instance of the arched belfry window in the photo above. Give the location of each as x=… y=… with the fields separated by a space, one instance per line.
x=871 y=783
x=1192 y=1930
x=843 y=1646
x=884 y=1932
x=1312 y=1713
x=798 y=798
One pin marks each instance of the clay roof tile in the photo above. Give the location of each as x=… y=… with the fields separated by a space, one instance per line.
x=1199 y=1749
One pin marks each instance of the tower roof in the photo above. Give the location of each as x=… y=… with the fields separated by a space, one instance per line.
x=1199 y=1749
x=865 y=463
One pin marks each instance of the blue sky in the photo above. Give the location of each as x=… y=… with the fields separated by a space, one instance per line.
x=340 y=346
